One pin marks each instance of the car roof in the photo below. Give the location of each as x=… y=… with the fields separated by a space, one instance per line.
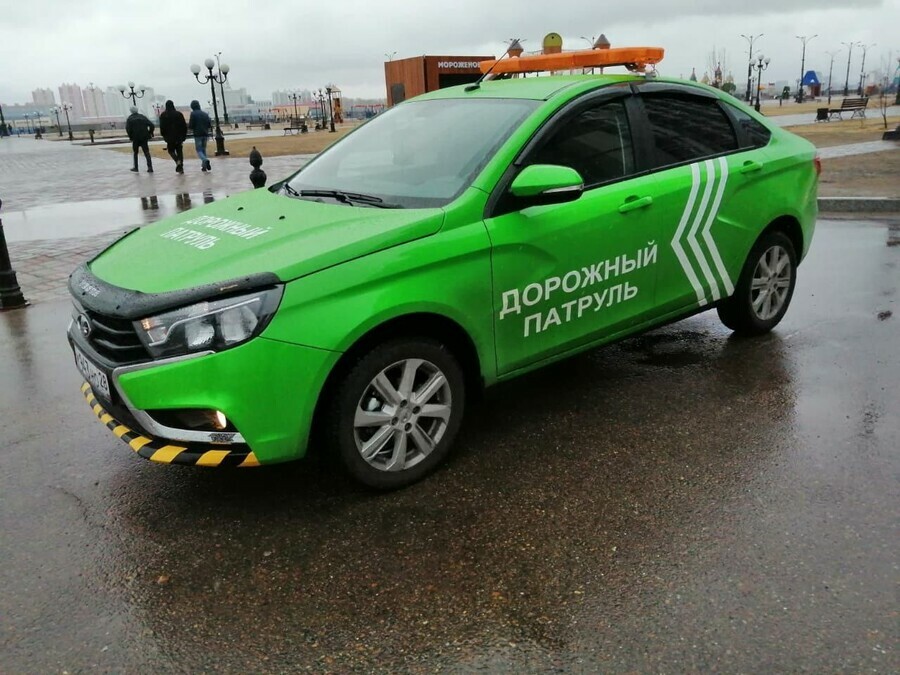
x=535 y=88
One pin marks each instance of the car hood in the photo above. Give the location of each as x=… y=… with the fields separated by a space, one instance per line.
x=254 y=232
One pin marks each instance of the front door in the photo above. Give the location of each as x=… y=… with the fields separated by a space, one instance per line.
x=569 y=274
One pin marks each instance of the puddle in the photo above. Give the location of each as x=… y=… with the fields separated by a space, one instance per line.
x=83 y=219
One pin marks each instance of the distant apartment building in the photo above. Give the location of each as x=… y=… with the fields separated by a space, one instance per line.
x=94 y=102
x=284 y=97
x=71 y=94
x=43 y=97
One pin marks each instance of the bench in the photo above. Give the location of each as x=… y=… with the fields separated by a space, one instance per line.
x=856 y=106
x=296 y=125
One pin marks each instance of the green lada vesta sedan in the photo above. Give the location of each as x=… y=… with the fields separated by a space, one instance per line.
x=457 y=240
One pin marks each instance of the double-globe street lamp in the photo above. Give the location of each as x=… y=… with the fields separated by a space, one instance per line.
x=55 y=111
x=750 y=39
x=132 y=94
x=319 y=96
x=66 y=107
x=212 y=78
x=761 y=64
x=294 y=96
x=804 y=39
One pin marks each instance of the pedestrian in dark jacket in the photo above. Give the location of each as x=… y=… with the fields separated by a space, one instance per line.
x=173 y=128
x=200 y=124
x=140 y=131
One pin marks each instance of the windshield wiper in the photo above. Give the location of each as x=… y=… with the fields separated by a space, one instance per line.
x=291 y=191
x=349 y=197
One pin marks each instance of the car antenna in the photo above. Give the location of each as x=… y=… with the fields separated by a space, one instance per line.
x=513 y=43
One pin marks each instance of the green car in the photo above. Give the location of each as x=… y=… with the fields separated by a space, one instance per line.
x=457 y=240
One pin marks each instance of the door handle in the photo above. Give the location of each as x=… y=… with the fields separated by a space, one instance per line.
x=750 y=166
x=633 y=203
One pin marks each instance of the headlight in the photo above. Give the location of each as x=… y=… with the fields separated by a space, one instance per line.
x=213 y=325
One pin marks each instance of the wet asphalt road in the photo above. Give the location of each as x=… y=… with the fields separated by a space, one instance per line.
x=681 y=501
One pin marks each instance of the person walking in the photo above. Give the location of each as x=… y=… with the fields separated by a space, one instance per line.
x=140 y=131
x=200 y=124
x=173 y=128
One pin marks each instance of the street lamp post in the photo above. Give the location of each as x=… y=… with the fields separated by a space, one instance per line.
x=55 y=111
x=320 y=104
x=10 y=294
x=750 y=39
x=66 y=108
x=93 y=91
x=830 y=69
x=294 y=96
x=27 y=123
x=330 y=109
x=224 y=69
x=862 y=69
x=132 y=94
x=849 y=46
x=212 y=79
x=804 y=40
x=761 y=64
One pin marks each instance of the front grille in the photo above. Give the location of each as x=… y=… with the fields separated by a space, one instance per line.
x=115 y=339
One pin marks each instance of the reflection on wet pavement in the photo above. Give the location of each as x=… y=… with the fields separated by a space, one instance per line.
x=88 y=218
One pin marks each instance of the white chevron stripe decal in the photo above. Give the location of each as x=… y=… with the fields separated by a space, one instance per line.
x=706 y=213
x=707 y=237
x=692 y=234
x=676 y=243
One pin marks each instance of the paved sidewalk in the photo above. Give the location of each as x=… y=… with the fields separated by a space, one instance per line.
x=37 y=173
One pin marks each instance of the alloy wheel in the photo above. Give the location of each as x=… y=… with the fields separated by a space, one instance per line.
x=771 y=283
x=402 y=415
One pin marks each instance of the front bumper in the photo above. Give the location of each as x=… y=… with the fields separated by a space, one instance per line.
x=193 y=454
x=267 y=388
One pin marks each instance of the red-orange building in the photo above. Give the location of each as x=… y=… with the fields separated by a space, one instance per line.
x=410 y=77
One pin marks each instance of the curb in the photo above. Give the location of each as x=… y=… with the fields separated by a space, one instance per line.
x=859 y=205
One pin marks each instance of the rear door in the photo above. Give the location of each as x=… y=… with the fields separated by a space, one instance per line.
x=704 y=169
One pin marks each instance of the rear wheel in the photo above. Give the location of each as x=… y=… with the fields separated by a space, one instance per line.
x=397 y=411
x=765 y=287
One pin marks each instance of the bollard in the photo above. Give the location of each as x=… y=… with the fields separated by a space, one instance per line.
x=10 y=294
x=257 y=176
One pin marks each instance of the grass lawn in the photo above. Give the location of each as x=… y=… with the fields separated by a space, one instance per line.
x=842 y=132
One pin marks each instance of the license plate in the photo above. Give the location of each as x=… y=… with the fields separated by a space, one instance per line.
x=96 y=377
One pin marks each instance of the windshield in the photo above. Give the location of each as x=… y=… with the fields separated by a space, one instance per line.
x=417 y=155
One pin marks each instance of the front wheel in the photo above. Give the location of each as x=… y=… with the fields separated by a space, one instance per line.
x=397 y=411
x=765 y=287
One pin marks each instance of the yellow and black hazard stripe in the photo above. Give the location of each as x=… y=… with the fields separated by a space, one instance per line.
x=194 y=454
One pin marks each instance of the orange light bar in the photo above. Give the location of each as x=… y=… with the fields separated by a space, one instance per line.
x=634 y=57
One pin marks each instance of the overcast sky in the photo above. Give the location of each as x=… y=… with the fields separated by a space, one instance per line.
x=269 y=46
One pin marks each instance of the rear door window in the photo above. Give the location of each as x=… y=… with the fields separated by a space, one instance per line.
x=686 y=128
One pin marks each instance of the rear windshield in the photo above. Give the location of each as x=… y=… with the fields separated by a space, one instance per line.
x=418 y=154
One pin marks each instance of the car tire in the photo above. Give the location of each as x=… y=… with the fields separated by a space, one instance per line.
x=765 y=287
x=396 y=412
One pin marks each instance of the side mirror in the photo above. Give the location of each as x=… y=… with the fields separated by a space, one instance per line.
x=541 y=184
